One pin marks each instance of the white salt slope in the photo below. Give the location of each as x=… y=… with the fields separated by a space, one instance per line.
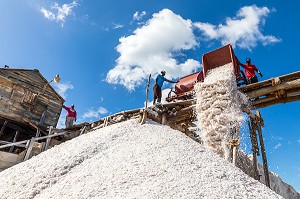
x=129 y=160
x=219 y=108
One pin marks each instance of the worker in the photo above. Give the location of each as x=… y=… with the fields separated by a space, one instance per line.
x=159 y=81
x=250 y=71
x=71 y=115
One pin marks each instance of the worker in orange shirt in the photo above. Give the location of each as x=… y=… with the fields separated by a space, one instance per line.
x=250 y=71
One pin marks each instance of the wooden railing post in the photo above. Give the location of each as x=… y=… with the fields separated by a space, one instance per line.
x=3 y=127
x=29 y=149
x=48 y=139
x=11 y=149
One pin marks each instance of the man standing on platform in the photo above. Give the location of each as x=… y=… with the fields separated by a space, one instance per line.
x=250 y=71
x=71 y=115
x=159 y=81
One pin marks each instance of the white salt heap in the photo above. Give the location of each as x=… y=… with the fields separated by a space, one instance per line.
x=219 y=108
x=129 y=160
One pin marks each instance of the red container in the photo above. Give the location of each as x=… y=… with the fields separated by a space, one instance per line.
x=184 y=87
x=220 y=57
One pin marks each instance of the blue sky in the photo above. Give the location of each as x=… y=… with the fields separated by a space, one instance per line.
x=105 y=50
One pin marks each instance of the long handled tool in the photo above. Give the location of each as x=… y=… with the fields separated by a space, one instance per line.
x=146 y=104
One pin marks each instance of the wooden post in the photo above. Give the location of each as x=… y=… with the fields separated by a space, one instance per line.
x=264 y=157
x=144 y=118
x=38 y=132
x=255 y=151
x=83 y=130
x=164 y=119
x=11 y=149
x=48 y=139
x=105 y=124
x=29 y=149
x=3 y=127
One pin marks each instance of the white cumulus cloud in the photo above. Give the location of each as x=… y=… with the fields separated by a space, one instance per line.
x=244 y=30
x=92 y=113
x=59 y=13
x=151 y=48
x=138 y=16
x=62 y=88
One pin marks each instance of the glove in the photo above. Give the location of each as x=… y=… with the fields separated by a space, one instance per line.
x=260 y=74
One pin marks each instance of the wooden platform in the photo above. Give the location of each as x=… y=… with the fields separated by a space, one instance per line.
x=273 y=91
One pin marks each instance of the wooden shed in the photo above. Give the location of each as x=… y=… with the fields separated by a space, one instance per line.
x=27 y=100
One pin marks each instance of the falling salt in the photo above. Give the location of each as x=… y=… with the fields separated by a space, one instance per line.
x=218 y=108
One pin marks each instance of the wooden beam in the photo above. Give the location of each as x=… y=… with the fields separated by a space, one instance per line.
x=3 y=127
x=283 y=86
x=11 y=149
x=29 y=149
x=264 y=157
x=48 y=139
x=277 y=101
x=255 y=150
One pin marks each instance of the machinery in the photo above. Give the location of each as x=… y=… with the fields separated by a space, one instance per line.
x=184 y=88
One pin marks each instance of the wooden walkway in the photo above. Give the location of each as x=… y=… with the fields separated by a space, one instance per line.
x=282 y=89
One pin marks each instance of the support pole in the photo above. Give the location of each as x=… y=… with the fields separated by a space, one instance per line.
x=3 y=127
x=83 y=130
x=144 y=118
x=47 y=143
x=29 y=149
x=11 y=149
x=255 y=150
x=264 y=157
x=164 y=119
x=38 y=132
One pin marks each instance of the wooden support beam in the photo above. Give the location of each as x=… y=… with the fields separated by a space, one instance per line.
x=164 y=119
x=47 y=143
x=38 y=132
x=13 y=144
x=264 y=157
x=283 y=86
x=255 y=150
x=11 y=149
x=3 y=127
x=277 y=101
x=29 y=149
x=83 y=130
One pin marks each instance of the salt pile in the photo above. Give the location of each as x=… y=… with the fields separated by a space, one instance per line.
x=129 y=160
x=219 y=108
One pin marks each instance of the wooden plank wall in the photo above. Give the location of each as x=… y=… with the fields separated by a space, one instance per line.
x=23 y=95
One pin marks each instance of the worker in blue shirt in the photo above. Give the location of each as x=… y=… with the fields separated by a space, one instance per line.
x=159 y=81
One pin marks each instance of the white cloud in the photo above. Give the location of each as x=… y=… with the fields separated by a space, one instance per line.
x=152 y=48
x=278 y=145
x=138 y=16
x=62 y=88
x=59 y=13
x=117 y=26
x=244 y=30
x=91 y=113
x=48 y=14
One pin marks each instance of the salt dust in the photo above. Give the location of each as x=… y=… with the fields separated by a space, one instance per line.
x=219 y=108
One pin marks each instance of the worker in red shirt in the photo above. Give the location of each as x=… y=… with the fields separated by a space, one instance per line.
x=71 y=115
x=250 y=71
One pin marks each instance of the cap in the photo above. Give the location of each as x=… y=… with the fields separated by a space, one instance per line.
x=248 y=60
x=72 y=105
